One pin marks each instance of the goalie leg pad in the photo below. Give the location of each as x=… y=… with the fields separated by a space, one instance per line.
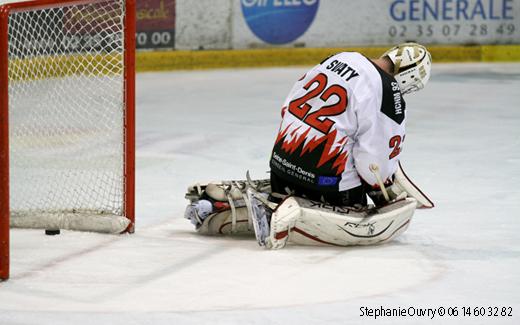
x=222 y=223
x=403 y=184
x=222 y=207
x=283 y=221
x=223 y=190
x=305 y=222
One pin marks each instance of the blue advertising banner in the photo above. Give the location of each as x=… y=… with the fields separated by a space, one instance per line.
x=279 y=21
x=342 y=23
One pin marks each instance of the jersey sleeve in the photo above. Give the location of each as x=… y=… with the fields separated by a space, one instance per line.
x=381 y=129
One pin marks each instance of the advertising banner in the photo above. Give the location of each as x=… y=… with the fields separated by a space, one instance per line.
x=204 y=24
x=155 y=24
x=337 y=23
x=279 y=22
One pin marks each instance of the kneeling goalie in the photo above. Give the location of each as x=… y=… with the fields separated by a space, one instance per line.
x=342 y=130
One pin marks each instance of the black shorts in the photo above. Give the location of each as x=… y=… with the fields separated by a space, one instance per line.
x=356 y=195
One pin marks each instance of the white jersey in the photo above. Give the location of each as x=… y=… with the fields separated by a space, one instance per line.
x=342 y=116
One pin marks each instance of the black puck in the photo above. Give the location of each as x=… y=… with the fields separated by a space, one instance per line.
x=52 y=232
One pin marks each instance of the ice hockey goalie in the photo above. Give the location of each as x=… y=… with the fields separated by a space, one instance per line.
x=247 y=207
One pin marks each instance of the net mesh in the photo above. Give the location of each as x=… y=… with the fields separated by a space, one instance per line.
x=66 y=110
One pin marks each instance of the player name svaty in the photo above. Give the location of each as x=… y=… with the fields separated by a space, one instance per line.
x=342 y=69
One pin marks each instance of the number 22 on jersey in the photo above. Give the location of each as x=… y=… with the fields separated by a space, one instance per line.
x=318 y=119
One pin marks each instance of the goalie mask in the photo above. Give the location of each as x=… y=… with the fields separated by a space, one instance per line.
x=412 y=66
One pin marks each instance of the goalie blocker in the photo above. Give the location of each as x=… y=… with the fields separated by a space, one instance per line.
x=241 y=207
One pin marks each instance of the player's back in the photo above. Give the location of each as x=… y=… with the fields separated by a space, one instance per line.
x=321 y=119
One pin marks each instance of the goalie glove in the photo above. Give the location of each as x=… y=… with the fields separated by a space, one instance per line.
x=400 y=188
x=394 y=192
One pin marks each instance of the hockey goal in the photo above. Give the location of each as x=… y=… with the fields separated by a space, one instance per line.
x=66 y=117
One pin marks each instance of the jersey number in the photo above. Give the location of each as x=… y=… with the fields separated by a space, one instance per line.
x=318 y=119
x=395 y=142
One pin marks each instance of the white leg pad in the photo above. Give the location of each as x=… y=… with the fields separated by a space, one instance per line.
x=305 y=222
x=221 y=223
x=283 y=220
x=404 y=184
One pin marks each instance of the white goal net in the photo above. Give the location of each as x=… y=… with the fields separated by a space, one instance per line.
x=68 y=116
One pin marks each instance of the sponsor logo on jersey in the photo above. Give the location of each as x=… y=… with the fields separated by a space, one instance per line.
x=279 y=21
x=316 y=161
x=327 y=181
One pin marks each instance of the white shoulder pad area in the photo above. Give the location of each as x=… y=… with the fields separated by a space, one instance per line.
x=306 y=222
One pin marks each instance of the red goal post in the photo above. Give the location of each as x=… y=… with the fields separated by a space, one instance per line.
x=72 y=62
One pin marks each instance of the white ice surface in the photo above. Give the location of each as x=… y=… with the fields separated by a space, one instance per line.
x=462 y=147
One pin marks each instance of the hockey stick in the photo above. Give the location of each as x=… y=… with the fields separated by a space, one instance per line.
x=374 y=168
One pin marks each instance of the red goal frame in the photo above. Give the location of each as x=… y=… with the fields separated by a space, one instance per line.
x=129 y=76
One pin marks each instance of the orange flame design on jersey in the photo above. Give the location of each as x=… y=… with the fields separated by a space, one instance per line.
x=296 y=141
